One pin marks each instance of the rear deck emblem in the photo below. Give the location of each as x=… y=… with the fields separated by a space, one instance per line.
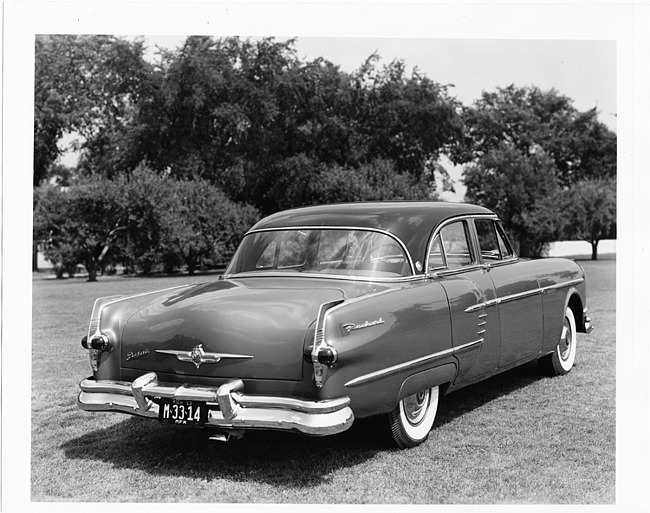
x=198 y=356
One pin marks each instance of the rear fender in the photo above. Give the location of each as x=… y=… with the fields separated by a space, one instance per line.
x=429 y=378
x=383 y=340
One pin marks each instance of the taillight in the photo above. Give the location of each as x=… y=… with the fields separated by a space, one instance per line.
x=99 y=342
x=325 y=355
x=96 y=342
x=322 y=355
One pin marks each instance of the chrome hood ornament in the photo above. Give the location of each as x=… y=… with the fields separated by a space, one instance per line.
x=198 y=356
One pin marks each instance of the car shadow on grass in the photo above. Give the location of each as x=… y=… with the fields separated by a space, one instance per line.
x=474 y=396
x=275 y=458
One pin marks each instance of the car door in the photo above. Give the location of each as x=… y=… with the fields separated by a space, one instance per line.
x=452 y=260
x=519 y=301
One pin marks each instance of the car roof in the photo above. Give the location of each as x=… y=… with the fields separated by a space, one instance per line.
x=410 y=221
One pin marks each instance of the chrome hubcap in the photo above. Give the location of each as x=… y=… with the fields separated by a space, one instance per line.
x=415 y=406
x=565 y=341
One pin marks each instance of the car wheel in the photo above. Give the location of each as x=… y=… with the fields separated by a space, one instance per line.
x=562 y=358
x=412 y=419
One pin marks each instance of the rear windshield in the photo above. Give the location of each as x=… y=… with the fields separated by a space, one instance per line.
x=347 y=252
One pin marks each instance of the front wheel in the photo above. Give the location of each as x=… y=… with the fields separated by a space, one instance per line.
x=412 y=419
x=563 y=356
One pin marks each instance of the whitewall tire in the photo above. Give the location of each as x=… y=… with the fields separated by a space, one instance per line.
x=412 y=419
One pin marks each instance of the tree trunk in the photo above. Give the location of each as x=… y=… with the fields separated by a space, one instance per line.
x=594 y=250
x=91 y=267
x=35 y=257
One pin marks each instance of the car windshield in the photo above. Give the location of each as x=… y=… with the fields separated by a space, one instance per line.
x=347 y=252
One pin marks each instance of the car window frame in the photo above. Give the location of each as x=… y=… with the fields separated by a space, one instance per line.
x=497 y=225
x=270 y=272
x=469 y=233
x=478 y=262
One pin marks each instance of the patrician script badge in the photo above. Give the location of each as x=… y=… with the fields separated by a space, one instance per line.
x=198 y=356
x=350 y=326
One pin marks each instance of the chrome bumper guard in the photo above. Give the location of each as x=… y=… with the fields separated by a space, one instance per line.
x=229 y=408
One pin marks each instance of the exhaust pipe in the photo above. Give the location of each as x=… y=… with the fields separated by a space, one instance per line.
x=226 y=436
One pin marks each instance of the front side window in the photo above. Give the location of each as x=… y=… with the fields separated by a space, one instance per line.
x=451 y=248
x=455 y=242
x=361 y=253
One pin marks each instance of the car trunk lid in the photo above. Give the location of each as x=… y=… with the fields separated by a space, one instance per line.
x=244 y=328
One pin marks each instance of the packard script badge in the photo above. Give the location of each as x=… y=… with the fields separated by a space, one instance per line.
x=350 y=326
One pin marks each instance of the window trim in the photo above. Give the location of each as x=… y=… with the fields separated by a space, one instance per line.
x=347 y=228
x=478 y=258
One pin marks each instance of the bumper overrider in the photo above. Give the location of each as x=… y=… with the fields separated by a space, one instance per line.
x=228 y=407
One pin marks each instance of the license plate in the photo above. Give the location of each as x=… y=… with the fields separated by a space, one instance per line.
x=182 y=412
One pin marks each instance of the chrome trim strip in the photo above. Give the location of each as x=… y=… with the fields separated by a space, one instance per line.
x=372 y=279
x=519 y=295
x=522 y=295
x=373 y=376
x=564 y=284
x=480 y=306
x=102 y=302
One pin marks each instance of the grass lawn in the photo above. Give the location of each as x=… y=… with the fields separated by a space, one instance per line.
x=517 y=438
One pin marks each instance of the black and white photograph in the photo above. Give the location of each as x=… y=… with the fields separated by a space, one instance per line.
x=283 y=255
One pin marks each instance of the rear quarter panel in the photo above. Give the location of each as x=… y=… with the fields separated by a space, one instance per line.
x=409 y=322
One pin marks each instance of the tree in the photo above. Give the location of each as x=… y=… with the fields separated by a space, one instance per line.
x=239 y=113
x=80 y=224
x=409 y=120
x=143 y=204
x=522 y=147
x=141 y=220
x=516 y=186
x=590 y=211
x=200 y=225
x=89 y=86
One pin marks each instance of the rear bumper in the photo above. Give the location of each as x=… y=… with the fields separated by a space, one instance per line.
x=229 y=408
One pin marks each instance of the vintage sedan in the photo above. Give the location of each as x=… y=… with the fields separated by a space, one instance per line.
x=333 y=313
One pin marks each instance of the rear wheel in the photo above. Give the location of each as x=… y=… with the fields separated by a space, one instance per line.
x=412 y=419
x=561 y=360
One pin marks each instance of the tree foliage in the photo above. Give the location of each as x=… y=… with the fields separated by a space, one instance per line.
x=143 y=221
x=79 y=225
x=590 y=211
x=523 y=147
x=92 y=87
x=178 y=158
x=237 y=113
